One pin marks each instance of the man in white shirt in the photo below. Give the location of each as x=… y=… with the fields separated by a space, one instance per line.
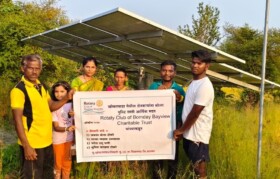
x=197 y=114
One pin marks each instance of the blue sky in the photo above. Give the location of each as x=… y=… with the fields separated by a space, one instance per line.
x=179 y=12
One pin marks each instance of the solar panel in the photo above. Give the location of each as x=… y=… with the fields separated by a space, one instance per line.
x=125 y=39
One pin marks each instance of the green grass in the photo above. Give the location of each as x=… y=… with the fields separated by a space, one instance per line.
x=10 y=160
x=233 y=150
x=234 y=141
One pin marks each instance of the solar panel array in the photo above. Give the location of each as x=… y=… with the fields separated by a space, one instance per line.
x=119 y=38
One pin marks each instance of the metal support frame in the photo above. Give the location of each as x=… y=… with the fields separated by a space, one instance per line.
x=135 y=36
x=232 y=80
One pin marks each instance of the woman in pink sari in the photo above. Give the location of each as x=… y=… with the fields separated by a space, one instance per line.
x=87 y=81
x=121 y=78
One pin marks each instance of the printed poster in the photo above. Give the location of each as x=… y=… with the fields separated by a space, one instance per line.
x=124 y=125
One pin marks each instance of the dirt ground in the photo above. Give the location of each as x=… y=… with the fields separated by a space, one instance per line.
x=7 y=137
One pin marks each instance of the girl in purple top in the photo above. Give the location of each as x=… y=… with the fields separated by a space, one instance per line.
x=62 y=132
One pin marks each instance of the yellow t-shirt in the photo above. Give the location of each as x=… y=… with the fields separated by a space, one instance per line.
x=39 y=134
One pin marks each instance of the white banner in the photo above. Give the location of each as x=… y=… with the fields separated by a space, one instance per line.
x=124 y=125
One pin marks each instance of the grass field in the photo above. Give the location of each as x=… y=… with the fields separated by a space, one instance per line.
x=233 y=150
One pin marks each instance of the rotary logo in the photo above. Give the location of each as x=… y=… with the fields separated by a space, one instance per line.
x=99 y=103
x=93 y=107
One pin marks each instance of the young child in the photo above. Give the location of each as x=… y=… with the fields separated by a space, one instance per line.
x=62 y=132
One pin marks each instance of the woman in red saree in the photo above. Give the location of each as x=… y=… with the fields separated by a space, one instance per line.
x=120 y=77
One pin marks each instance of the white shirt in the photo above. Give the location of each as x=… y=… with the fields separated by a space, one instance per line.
x=200 y=92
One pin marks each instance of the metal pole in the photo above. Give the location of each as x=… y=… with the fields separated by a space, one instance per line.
x=141 y=78
x=262 y=90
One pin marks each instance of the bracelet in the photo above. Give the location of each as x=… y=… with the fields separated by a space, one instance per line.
x=66 y=129
x=181 y=99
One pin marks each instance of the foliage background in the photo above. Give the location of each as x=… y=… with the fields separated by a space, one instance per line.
x=234 y=140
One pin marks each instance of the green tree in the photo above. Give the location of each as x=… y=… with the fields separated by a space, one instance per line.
x=204 y=28
x=19 y=20
x=273 y=55
x=247 y=43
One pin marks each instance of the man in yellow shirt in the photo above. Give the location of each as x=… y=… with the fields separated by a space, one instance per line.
x=31 y=108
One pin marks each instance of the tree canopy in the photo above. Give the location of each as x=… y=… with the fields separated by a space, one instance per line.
x=247 y=43
x=20 y=20
x=204 y=28
x=243 y=42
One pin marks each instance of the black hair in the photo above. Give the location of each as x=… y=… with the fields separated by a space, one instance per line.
x=121 y=70
x=168 y=62
x=87 y=59
x=203 y=55
x=65 y=85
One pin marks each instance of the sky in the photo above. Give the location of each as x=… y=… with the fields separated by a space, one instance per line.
x=173 y=13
